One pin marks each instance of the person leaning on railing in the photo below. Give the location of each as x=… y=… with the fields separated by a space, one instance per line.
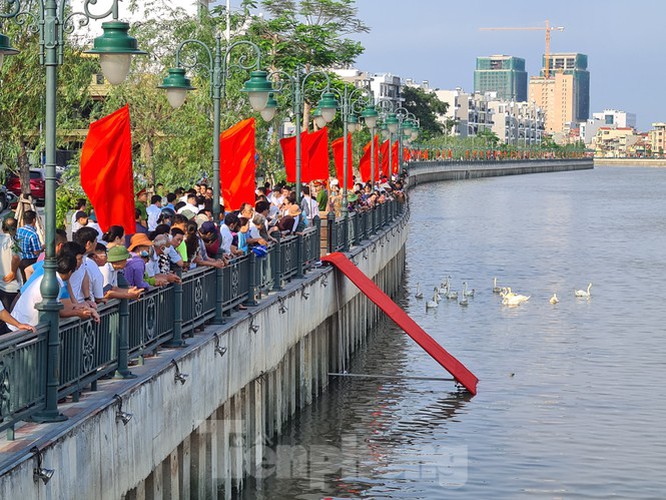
x=110 y=263
x=24 y=310
x=7 y=319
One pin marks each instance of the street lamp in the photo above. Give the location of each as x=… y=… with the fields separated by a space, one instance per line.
x=324 y=113
x=370 y=116
x=353 y=101
x=257 y=87
x=115 y=47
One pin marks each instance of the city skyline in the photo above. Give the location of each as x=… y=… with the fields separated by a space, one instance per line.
x=440 y=41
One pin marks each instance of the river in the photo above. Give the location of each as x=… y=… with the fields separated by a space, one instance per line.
x=571 y=399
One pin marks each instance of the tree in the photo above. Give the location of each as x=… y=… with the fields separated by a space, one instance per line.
x=427 y=107
x=22 y=84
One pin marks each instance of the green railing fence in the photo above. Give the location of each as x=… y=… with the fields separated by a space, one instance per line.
x=89 y=351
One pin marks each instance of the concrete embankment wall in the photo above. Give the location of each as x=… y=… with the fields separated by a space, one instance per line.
x=201 y=438
x=630 y=162
x=433 y=171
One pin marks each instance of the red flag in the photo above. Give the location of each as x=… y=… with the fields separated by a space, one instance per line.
x=318 y=155
x=338 y=156
x=106 y=170
x=288 y=145
x=237 y=163
x=364 y=166
x=385 y=158
x=394 y=157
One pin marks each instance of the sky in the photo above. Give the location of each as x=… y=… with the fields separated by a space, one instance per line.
x=439 y=40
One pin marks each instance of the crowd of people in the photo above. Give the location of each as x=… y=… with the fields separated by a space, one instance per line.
x=173 y=231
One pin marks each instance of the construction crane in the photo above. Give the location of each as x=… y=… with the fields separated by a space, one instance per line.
x=547 y=28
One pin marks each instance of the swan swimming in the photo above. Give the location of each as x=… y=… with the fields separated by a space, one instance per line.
x=515 y=300
x=582 y=293
x=467 y=293
x=464 y=302
x=431 y=304
x=419 y=293
x=554 y=300
x=452 y=295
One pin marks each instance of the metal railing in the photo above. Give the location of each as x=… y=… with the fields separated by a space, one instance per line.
x=127 y=330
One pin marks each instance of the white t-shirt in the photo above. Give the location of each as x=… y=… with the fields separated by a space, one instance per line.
x=6 y=252
x=76 y=282
x=109 y=274
x=227 y=238
x=25 y=310
x=153 y=214
x=95 y=277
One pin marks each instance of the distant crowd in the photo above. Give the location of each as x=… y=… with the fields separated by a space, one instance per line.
x=174 y=231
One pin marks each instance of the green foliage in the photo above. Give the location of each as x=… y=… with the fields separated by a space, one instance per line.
x=66 y=197
x=426 y=107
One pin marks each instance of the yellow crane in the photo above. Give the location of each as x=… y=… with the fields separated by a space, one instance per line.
x=547 y=28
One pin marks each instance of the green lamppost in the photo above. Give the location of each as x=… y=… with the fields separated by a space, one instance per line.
x=257 y=87
x=325 y=112
x=115 y=48
x=370 y=116
x=353 y=101
x=398 y=121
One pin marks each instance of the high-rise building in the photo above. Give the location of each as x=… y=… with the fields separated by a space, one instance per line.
x=574 y=64
x=505 y=75
x=555 y=96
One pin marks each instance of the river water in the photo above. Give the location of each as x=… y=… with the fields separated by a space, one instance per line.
x=571 y=399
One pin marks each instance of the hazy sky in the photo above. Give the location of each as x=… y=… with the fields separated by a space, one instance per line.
x=439 y=40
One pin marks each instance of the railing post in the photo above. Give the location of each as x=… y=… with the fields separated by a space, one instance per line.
x=300 y=254
x=277 y=262
x=123 y=336
x=332 y=233
x=252 y=282
x=177 y=338
x=318 y=240
x=345 y=231
x=219 y=298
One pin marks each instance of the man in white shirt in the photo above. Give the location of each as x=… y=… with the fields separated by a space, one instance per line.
x=11 y=281
x=190 y=204
x=87 y=282
x=231 y=223
x=25 y=312
x=309 y=207
x=154 y=210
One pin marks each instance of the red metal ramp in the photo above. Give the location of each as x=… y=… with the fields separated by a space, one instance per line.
x=400 y=317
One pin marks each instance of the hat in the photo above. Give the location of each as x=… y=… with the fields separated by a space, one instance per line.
x=117 y=253
x=141 y=193
x=208 y=227
x=293 y=210
x=188 y=213
x=352 y=198
x=80 y=215
x=200 y=219
x=334 y=182
x=139 y=239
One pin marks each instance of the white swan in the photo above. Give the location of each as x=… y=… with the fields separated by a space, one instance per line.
x=496 y=289
x=467 y=293
x=452 y=295
x=515 y=300
x=554 y=300
x=419 y=293
x=431 y=304
x=506 y=292
x=464 y=301
x=583 y=293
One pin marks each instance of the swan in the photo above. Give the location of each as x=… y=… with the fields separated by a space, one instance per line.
x=452 y=295
x=506 y=292
x=431 y=304
x=515 y=300
x=582 y=293
x=467 y=293
x=496 y=289
x=463 y=301
x=554 y=300
x=419 y=293
x=445 y=286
